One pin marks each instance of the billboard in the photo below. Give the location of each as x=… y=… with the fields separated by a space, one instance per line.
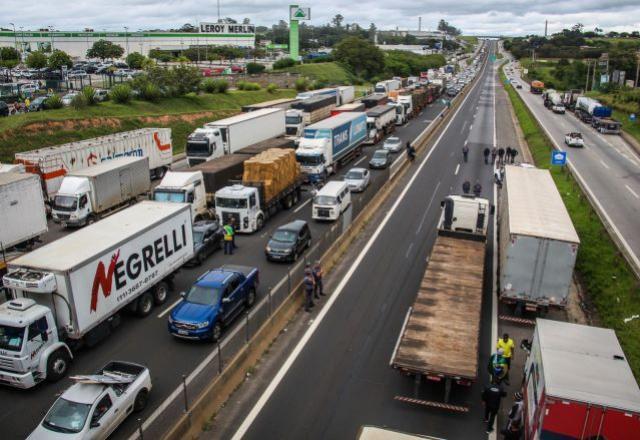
x=297 y=13
x=226 y=28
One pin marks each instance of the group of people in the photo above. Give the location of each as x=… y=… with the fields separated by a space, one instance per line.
x=491 y=155
x=313 y=288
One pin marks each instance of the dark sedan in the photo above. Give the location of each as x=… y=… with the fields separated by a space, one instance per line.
x=381 y=159
x=207 y=238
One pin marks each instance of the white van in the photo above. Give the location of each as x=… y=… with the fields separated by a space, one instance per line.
x=331 y=201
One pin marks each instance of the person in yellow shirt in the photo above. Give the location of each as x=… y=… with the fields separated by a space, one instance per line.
x=508 y=346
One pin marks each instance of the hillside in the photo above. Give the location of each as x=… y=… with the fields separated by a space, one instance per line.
x=332 y=73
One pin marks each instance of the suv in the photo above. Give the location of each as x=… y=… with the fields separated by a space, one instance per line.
x=207 y=237
x=288 y=242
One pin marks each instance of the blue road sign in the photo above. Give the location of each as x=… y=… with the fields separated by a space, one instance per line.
x=632 y=117
x=559 y=158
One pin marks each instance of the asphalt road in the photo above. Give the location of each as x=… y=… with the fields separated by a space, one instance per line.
x=147 y=341
x=607 y=163
x=341 y=377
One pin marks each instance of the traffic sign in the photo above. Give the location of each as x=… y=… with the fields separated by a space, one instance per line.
x=633 y=117
x=559 y=158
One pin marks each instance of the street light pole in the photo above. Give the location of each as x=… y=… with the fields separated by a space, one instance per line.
x=126 y=38
x=51 y=35
x=637 y=68
x=15 y=37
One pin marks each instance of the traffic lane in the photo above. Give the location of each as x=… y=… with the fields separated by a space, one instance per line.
x=356 y=384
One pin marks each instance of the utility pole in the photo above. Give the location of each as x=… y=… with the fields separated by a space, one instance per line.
x=126 y=38
x=637 y=68
x=218 y=11
x=586 y=83
x=51 y=35
x=15 y=37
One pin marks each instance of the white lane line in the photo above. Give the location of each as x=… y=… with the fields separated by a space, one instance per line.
x=632 y=192
x=464 y=125
x=455 y=173
x=266 y=395
x=604 y=164
x=302 y=206
x=168 y=309
x=466 y=141
x=406 y=255
x=428 y=121
x=360 y=160
x=470 y=127
x=426 y=211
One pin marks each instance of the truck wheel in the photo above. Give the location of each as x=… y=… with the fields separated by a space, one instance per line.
x=160 y=293
x=57 y=365
x=296 y=197
x=288 y=202
x=259 y=222
x=216 y=332
x=90 y=220
x=251 y=298
x=141 y=400
x=160 y=172
x=145 y=304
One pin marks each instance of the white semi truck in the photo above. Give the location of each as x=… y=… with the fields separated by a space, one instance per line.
x=388 y=86
x=227 y=136
x=69 y=293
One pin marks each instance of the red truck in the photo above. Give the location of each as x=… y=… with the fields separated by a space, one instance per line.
x=578 y=385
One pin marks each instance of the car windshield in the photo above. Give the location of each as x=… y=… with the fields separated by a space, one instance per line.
x=354 y=175
x=284 y=236
x=168 y=196
x=11 y=337
x=393 y=141
x=66 y=416
x=198 y=237
x=206 y=296
x=223 y=202
x=380 y=155
x=66 y=202
x=324 y=200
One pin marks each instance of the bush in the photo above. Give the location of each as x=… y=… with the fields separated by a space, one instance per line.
x=271 y=88
x=221 y=86
x=53 y=101
x=79 y=101
x=283 y=63
x=121 y=94
x=251 y=86
x=89 y=94
x=150 y=92
x=301 y=84
x=253 y=68
x=318 y=85
x=240 y=85
x=209 y=85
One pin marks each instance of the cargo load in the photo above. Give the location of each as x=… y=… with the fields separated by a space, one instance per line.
x=537 y=87
x=276 y=168
x=374 y=99
x=259 y=147
x=284 y=103
x=314 y=103
x=352 y=107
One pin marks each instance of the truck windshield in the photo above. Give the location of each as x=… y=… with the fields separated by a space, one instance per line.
x=292 y=120
x=195 y=148
x=65 y=203
x=11 y=337
x=324 y=200
x=168 y=196
x=305 y=160
x=66 y=416
x=224 y=202
x=380 y=89
x=206 y=296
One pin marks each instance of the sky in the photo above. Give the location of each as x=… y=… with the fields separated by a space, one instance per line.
x=474 y=17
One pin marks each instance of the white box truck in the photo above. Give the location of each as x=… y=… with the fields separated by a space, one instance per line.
x=69 y=292
x=93 y=193
x=227 y=136
x=23 y=217
x=53 y=163
x=388 y=86
x=538 y=243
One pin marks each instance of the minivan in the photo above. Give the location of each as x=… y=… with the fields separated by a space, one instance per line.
x=289 y=241
x=331 y=201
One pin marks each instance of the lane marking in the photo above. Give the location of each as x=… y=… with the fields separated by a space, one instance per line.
x=363 y=158
x=168 y=309
x=302 y=206
x=470 y=127
x=455 y=173
x=406 y=255
x=266 y=395
x=604 y=164
x=466 y=142
x=424 y=216
x=632 y=192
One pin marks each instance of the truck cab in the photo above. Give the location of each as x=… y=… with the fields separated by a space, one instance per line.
x=204 y=144
x=30 y=350
x=465 y=215
x=314 y=157
x=216 y=298
x=294 y=124
x=241 y=203
x=407 y=103
x=184 y=187
x=72 y=204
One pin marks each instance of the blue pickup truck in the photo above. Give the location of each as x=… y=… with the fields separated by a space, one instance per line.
x=212 y=303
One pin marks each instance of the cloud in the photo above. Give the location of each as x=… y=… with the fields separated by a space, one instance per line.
x=515 y=17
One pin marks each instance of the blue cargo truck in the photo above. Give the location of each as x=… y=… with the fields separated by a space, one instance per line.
x=328 y=144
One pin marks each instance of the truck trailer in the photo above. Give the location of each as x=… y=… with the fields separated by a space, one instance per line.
x=93 y=193
x=538 y=243
x=53 y=163
x=449 y=301
x=72 y=289
x=578 y=385
x=380 y=121
x=284 y=103
x=374 y=99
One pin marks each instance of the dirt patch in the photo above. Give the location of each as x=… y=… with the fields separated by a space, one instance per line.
x=186 y=117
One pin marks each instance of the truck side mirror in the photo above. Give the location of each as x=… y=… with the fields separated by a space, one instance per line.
x=94 y=424
x=44 y=336
x=190 y=198
x=183 y=294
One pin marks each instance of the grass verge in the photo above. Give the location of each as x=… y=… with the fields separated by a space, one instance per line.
x=330 y=73
x=603 y=271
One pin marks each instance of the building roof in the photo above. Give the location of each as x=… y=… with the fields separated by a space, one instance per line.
x=586 y=364
x=535 y=206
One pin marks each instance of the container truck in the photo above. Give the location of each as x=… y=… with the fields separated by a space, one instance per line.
x=53 y=163
x=325 y=92
x=380 y=121
x=538 y=243
x=227 y=136
x=328 y=144
x=353 y=107
x=388 y=86
x=72 y=290
x=537 y=87
x=284 y=103
x=11 y=167
x=23 y=218
x=449 y=300
x=271 y=181
x=578 y=384
x=553 y=101
x=307 y=112
x=93 y=193
x=374 y=99
x=606 y=125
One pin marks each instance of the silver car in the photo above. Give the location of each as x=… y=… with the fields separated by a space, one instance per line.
x=358 y=179
x=393 y=144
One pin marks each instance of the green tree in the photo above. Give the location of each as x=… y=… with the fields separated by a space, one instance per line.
x=186 y=79
x=253 y=68
x=37 y=60
x=58 y=59
x=9 y=57
x=362 y=56
x=104 y=49
x=135 y=60
x=337 y=20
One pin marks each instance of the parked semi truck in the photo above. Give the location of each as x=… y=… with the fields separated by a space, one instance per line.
x=578 y=385
x=587 y=109
x=536 y=87
x=53 y=163
x=227 y=136
x=374 y=99
x=284 y=103
x=449 y=299
x=93 y=193
x=307 y=112
x=342 y=94
x=352 y=107
x=23 y=218
x=388 y=86
x=271 y=181
x=328 y=144
x=69 y=293
x=380 y=121
x=538 y=243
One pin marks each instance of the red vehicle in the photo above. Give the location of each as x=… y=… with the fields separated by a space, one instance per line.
x=579 y=385
x=212 y=71
x=237 y=69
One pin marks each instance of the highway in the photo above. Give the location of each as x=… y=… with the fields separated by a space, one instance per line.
x=337 y=377
x=607 y=164
x=147 y=341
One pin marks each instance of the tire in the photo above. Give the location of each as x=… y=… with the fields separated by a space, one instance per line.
x=57 y=365
x=288 y=201
x=160 y=172
x=251 y=298
x=259 y=222
x=145 y=305
x=90 y=220
x=296 y=197
x=216 y=332
x=199 y=258
x=160 y=293
x=141 y=400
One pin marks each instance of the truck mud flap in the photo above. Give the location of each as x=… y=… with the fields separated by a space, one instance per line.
x=433 y=404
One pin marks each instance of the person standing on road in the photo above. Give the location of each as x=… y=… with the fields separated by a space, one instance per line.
x=466 y=187
x=497 y=366
x=508 y=347
x=309 y=286
x=228 y=239
x=486 y=153
x=317 y=278
x=500 y=155
x=494 y=153
x=507 y=155
x=515 y=415
x=514 y=154
x=465 y=153
x=491 y=397
x=232 y=223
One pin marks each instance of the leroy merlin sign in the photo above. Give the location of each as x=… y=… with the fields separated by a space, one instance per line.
x=298 y=13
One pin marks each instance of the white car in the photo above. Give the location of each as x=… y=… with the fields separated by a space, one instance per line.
x=77 y=74
x=358 y=179
x=574 y=140
x=393 y=144
x=66 y=99
x=101 y=95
